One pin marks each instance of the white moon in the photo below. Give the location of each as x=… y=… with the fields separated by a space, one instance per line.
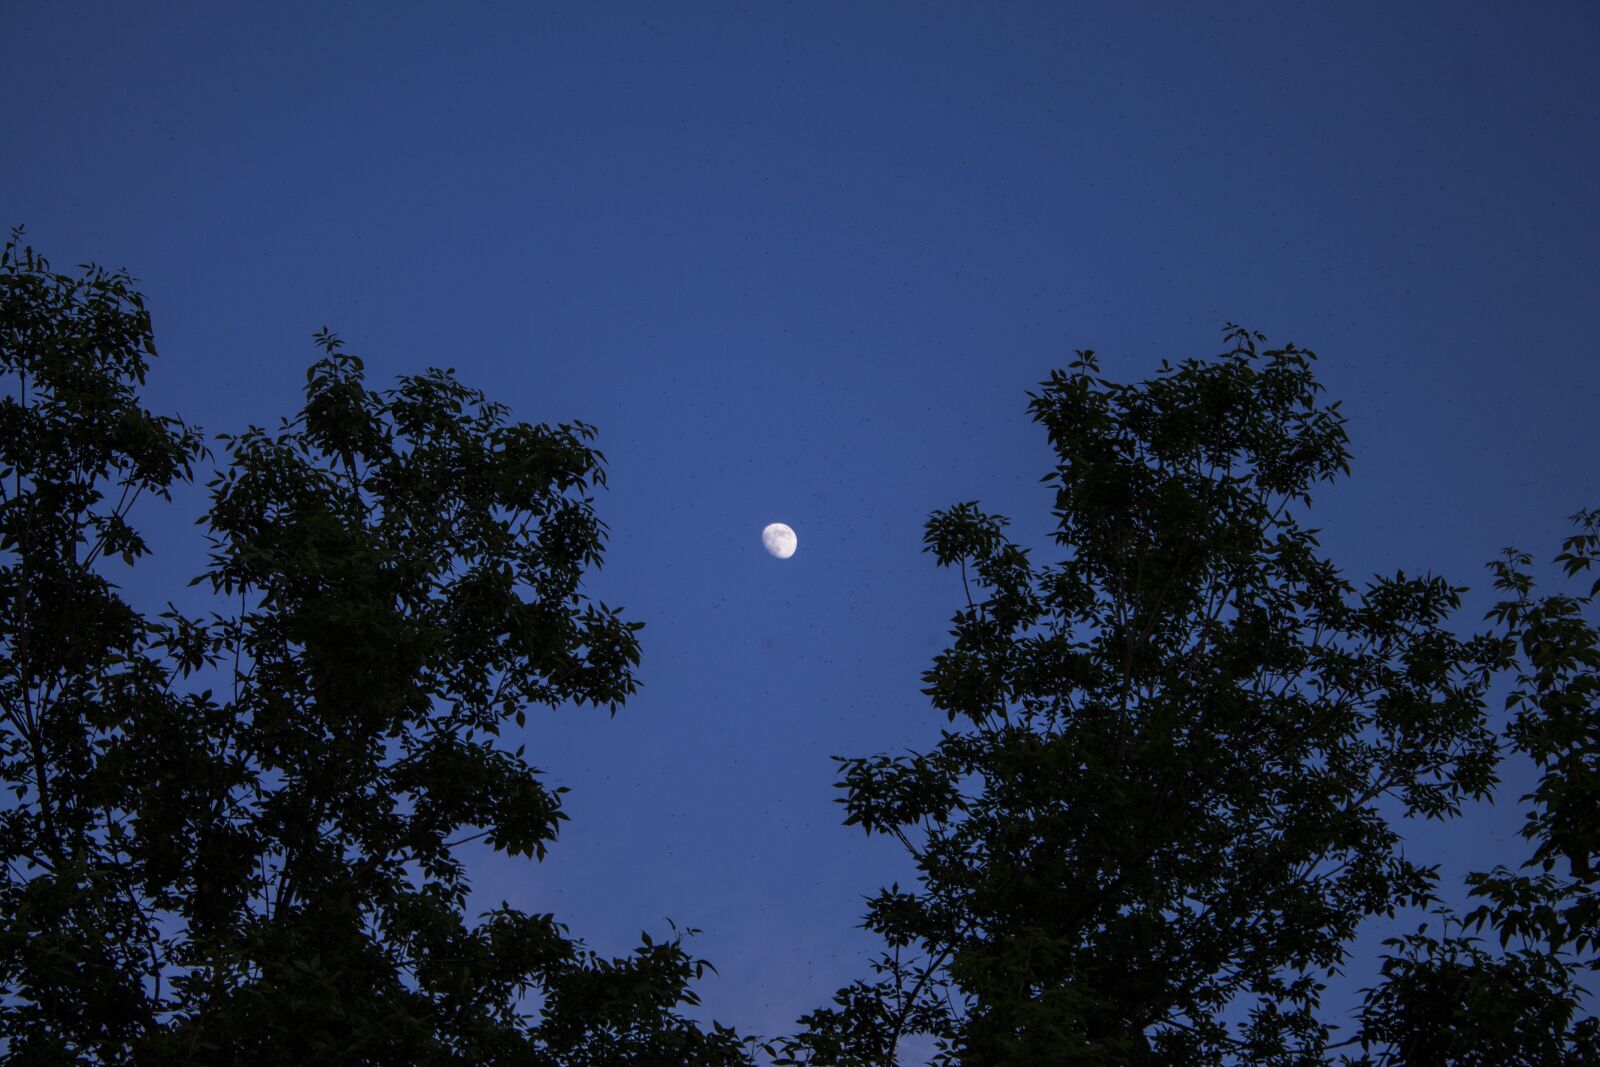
x=779 y=540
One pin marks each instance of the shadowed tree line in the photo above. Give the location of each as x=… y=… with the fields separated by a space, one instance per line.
x=1165 y=796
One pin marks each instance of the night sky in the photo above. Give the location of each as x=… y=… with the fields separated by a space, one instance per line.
x=802 y=263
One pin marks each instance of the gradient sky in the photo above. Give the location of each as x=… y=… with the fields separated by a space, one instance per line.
x=801 y=263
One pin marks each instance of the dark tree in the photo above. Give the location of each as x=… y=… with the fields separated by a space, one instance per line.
x=235 y=838
x=1166 y=797
x=1450 y=998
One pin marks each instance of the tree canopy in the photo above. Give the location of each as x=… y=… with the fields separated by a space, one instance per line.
x=1168 y=793
x=236 y=837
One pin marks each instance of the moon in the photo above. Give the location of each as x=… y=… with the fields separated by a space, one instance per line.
x=779 y=540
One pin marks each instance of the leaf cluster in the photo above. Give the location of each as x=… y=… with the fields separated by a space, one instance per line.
x=1452 y=997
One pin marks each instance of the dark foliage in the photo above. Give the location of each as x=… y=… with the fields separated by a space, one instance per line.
x=1457 y=998
x=1164 y=801
x=235 y=838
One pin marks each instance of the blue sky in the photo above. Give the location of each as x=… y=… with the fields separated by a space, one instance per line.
x=800 y=263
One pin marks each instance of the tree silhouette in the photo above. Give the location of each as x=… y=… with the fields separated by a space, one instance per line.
x=235 y=838
x=1447 y=997
x=1165 y=799
x=1164 y=802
